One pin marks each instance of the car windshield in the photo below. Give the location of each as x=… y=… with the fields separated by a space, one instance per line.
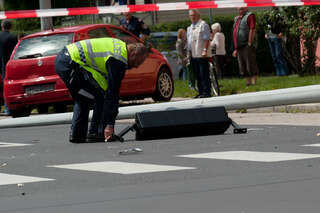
x=42 y=46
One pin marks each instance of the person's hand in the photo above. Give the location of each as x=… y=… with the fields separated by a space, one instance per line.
x=108 y=132
x=204 y=53
x=234 y=54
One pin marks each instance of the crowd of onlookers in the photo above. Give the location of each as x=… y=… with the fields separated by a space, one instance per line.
x=197 y=47
x=200 y=45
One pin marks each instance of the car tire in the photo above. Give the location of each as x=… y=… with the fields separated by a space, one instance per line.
x=25 y=112
x=164 y=86
x=43 y=109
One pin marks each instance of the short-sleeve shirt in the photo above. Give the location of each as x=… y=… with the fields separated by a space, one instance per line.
x=205 y=35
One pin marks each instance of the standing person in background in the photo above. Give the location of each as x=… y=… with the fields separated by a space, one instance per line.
x=181 y=47
x=135 y=26
x=198 y=37
x=275 y=42
x=244 y=44
x=7 y=44
x=218 y=48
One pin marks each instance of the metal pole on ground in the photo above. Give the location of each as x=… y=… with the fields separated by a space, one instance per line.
x=296 y=95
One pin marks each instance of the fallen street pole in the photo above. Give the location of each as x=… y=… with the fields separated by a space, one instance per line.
x=289 y=96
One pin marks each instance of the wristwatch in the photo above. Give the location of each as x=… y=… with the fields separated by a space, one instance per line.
x=204 y=49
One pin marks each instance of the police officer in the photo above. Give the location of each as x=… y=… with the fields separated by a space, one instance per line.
x=135 y=25
x=93 y=70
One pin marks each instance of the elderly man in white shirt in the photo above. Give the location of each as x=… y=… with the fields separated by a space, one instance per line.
x=198 y=36
x=218 y=47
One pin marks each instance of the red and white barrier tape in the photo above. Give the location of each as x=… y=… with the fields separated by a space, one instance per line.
x=153 y=7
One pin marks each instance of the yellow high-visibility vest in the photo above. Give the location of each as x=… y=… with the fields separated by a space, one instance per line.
x=92 y=55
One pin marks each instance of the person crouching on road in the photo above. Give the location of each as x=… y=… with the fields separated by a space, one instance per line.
x=93 y=70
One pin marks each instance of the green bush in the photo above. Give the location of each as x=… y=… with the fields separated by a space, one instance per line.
x=26 y=26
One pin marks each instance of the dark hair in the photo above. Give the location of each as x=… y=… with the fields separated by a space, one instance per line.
x=6 y=24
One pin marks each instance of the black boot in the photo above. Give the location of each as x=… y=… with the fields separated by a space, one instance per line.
x=95 y=138
x=76 y=138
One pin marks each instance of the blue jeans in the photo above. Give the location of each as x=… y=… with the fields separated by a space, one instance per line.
x=182 y=72
x=6 y=109
x=281 y=67
x=201 y=69
x=67 y=69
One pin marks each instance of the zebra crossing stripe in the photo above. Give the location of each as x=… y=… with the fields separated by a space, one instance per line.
x=312 y=145
x=253 y=156
x=5 y=145
x=121 y=167
x=7 y=179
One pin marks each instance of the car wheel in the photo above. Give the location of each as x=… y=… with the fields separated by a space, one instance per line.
x=43 y=109
x=164 y=86
x=60 y=108
x=20 y=112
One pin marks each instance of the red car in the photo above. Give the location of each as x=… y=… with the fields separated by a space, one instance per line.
x=31 y=80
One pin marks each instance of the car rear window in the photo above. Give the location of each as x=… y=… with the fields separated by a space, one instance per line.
x=42 y=46
x=122 y=35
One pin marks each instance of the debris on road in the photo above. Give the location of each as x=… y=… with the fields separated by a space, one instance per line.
x=130 y=151
x=3 y=164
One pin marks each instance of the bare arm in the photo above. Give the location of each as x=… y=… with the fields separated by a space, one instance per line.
x=205 y=48
x=252 y=34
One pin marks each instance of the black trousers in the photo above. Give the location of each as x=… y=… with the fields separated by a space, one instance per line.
x=76 y=79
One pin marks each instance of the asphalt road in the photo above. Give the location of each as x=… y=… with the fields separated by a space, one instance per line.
x=269 y=169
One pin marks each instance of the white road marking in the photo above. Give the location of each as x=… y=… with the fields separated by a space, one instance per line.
x=121 y=167
x=5 y=145
x=312 y=145
x=252 y=156
x=7 y=179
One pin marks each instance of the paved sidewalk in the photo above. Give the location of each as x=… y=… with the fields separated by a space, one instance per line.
x=296 y=108
x=294 y=119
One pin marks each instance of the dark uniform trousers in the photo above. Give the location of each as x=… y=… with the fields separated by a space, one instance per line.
x=84 y=93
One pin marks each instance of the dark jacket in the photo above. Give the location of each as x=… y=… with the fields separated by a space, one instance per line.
x=135 y=26
x=7 y=44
